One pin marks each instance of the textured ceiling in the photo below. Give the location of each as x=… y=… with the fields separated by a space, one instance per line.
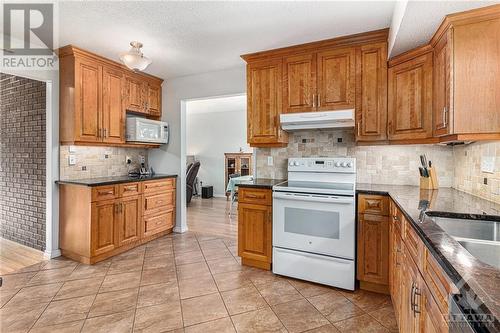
x=185 y=38
x=422 y=18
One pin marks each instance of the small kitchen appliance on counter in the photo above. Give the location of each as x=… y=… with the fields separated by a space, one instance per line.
x=314 y=221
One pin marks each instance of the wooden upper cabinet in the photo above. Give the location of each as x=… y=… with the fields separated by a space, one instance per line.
x=299 y=83
x=442 y=86
x=336 y=79
x=264 y=103
x=410 y=98
x=88 y=101
x=371 y=92
x=113 y=112
x=134 y=100
x=95 y=94
x=153 y=100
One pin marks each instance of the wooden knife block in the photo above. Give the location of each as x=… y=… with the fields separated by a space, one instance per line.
x=431 y=182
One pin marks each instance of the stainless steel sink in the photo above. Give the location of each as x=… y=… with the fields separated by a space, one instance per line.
x=480 y=237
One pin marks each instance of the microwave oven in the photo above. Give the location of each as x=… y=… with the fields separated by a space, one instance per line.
x=146 y=130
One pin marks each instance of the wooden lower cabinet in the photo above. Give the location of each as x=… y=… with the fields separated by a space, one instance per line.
x=99 y=222
x=255 y=224
x=418 y=286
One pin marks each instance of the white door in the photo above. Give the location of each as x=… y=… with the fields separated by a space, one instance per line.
x=322 y=224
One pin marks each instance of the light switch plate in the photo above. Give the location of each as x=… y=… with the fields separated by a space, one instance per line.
x=71 y=159
x=488 y=164
x=270 y=161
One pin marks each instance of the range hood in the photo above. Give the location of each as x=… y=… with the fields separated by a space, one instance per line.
x=313 y=120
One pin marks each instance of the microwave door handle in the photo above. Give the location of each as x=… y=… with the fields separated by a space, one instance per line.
x=314 y=198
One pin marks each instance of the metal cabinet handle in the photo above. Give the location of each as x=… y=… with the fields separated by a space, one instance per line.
x=411 y=297
x=121 y=207
x=359 y=128
x=416 y=293
x=314 y=100
x=445 y=117
x=319 y=100
x=107 y=192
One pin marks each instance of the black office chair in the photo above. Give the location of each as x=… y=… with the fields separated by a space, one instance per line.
x=190 y=178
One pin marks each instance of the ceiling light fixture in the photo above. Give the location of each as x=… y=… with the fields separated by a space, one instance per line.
x=134 y=59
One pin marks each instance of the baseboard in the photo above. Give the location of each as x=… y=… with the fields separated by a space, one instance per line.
x=180 y=230
x=49 y=254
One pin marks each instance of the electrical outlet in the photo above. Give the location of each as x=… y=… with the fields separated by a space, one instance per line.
x=72 y=149
x=72 y=159
x=270 y=161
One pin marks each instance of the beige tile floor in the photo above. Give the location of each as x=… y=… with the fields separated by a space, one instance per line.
x=180 y=283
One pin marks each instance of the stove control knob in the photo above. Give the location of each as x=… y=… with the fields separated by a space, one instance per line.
x=337 y=164
x=349 y=164
x=344 y=164
x=290 y=163
x=296 y=163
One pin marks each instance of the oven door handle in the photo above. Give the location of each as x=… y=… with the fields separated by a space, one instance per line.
x=313 y=198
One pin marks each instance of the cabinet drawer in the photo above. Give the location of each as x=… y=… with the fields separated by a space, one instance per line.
x=413 y=244
x=159 y=185
x=153 y=203
x=129 y=189
x=160 y=222
x=255 y=196
x=396 y=217
x=373 y=204
x=104 y=193
x=439 y=285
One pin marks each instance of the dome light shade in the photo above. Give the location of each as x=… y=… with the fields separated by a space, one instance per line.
x=134 y=59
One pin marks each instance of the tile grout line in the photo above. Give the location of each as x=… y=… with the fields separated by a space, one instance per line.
x=139 y=288
x=178 y=286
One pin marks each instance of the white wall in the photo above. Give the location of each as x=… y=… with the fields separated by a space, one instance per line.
x=171 y=157
x=209 y=136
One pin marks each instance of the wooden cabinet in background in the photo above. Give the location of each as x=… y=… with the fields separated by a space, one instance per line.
x=99 y=222
x=255 y=224
x=237 y=164
x=264 y=104
x=410 y=95
x=299 y=83
x=95 y=94
x=371 y=92
x=373 y=243
x=442 y=91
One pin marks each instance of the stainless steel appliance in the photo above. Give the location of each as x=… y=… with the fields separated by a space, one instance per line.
x=146 y=130
x=314 y=221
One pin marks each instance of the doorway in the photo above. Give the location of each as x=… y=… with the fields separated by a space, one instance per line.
x=215 y=130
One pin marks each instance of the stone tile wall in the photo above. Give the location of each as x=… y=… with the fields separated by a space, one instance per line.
x=468 y=175
x=92 y=162
x=22 y=160
x=375 y=164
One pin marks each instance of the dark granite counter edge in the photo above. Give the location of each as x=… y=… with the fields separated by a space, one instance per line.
x=455 y=277
x=112 y=182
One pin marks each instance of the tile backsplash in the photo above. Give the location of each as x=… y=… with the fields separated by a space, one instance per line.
x=92 y=162
x=396 y=165
x=468 y=175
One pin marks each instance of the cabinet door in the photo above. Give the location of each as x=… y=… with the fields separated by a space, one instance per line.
x=371 y=92
x=113 y=112
x=395 y=269
x=103 y=226
x=299 y=83
x=130 y=220
x=410 y=99
x=336 y=79
x=442 y=87
x=135 y=95
x=411 y=297
x=255 y=232
x=153 y=102
x=373 y=250
x=88 y=101
x=264 y=103
x=432 y=319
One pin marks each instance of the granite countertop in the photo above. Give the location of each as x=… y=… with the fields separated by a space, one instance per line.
x=479 y=282
x=261 y=183
x=114 y=180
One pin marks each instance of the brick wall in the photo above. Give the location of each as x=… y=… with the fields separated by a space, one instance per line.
x=22 y=160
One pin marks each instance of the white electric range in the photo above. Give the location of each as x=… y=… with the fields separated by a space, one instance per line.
x=314 y=221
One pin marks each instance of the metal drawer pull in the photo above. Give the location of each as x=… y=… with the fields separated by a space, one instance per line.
x=108 y=192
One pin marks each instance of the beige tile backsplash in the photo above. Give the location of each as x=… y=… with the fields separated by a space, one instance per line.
x=375 y=164
x=468 y=175
x=98 y=161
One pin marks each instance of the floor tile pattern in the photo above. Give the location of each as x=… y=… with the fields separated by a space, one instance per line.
x=180 y=283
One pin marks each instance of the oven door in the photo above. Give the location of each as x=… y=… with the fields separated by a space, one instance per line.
x=323 y=224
